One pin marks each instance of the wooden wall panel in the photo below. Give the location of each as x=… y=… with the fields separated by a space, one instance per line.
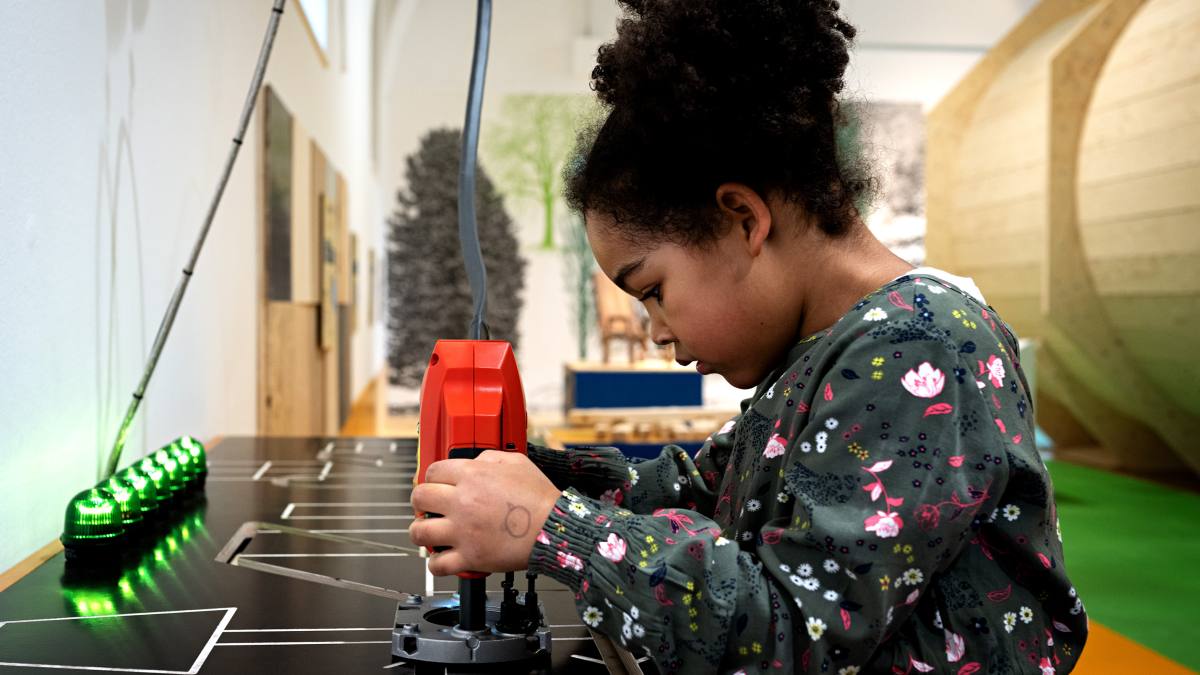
x=1063 y=175
x=277 y=197
x=304 y=231
x=292 y=371
x=344 y=255
x=998 y=190
x=1138 y=197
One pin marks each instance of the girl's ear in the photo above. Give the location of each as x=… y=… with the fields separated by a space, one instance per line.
x=743 y=211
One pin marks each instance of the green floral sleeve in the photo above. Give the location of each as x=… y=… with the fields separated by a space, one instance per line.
x=672 y=478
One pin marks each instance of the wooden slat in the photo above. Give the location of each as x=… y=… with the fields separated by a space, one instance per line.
x=1023 y=248
x=1157 y=193
x=292 y=384
x=1178 y=379
x=1171 y=108
x=1024 y=315
x=1140 y=153
x=1018 y=216
x=1020 y=128
x=14 y=573
x=345 y=289
x=1008 y=163
x=1002 y=102
x=1160 y=275
x=1018 y=184
x=1001 y=279
x=1155 y=53
x=1170 y=315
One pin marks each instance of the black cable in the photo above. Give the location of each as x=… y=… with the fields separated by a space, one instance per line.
x=468 y=228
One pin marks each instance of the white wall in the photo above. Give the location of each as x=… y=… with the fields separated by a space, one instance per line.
x=116 y=119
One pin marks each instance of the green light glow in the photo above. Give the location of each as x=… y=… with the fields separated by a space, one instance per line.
x=149 y=468
x=127 y=500
x=93 y=516
x=187 y=466
x=147 y=492
x=91 y=602
x=199 y=457
x=174 y=478
x=95 y=510
x=193 y=446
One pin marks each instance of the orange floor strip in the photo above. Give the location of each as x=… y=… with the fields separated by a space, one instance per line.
x=1110 y=652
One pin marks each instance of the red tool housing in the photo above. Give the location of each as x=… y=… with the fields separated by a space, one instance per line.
x=471 y=401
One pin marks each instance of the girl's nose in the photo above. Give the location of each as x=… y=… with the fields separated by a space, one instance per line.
x=660 y=334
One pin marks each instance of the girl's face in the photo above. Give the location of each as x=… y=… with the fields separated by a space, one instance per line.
x=721 y=306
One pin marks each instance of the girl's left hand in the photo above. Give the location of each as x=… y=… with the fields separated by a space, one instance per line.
x=492 y=509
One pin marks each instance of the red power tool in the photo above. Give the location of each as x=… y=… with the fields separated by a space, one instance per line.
x=471 y=401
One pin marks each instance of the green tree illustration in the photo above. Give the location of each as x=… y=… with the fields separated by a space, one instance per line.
x=527 y=145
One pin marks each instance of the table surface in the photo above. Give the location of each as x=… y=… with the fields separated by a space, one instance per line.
x=173 y=608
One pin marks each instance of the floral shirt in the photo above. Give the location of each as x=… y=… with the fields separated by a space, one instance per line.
x=877 y=507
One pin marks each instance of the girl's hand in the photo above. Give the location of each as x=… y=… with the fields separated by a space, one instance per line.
x=492 y=509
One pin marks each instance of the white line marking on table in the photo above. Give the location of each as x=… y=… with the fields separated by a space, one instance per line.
x=325 y=555
x=196 y=665
x=115 y=616
x=350 y=517
x=287 y=511
x=212 y=641
x=297 y=644
x=350 y=504
x=300 y=630
x=382 y=530
x=325 y=471
x=98 y=668
x=358 y=448
x=371 y=474
x=262 y=469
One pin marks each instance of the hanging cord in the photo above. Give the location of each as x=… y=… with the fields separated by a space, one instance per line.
x=468 y=228
x=164 y=328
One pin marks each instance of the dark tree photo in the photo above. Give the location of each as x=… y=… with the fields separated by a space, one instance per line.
x=429 y=297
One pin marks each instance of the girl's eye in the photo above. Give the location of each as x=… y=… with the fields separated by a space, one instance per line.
x=655 y=293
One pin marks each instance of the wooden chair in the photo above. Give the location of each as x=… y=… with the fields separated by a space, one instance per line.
x=617 y=319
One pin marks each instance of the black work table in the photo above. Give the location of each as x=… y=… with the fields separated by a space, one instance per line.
x=172 y=608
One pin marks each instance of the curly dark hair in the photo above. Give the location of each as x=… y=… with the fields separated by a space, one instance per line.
x=701 y=92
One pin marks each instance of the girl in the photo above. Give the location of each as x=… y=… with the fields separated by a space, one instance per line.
x=878 y=505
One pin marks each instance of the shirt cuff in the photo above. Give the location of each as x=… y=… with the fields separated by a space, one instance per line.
x=568 y=537
x=556 y=464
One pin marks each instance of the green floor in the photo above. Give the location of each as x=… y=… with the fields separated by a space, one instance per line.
x=1133 y=550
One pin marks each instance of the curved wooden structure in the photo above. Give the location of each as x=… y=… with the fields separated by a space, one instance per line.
x=1064 y=176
